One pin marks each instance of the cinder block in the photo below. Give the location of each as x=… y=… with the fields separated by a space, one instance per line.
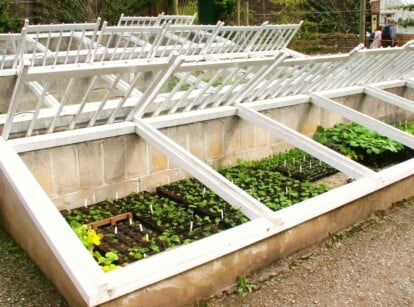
x=308 y=118
x=158 y=161
x=136 y=156
x=119 y=189
x=246 y=135
x=290 y=117
x=91 y=167
x=65 y=169
x=214 y=139
x=232 y=137
x=196 y=140
x=114 y=159
x=179 y=134
x=277 y=115
x=74 y=200
x=40 y=164
x=261 y=137
x=149 y=183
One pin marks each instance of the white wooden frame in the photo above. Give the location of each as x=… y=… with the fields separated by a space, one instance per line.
x=247 y=86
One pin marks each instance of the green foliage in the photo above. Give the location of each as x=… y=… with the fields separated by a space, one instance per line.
x=290 y=11
x=225 y=10
x=320 y=16
x=245 y=285
x=8 y=20
x=69 y=11
x=356 y=141
x=90 y=238
x=107 y=262
x=406 y=127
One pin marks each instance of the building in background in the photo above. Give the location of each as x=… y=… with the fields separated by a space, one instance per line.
x=384 y=12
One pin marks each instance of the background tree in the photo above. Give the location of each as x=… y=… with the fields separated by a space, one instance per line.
x=334 y=15
x=320 y=16
x=8 y=20
x=289 y=11
x=68 y=11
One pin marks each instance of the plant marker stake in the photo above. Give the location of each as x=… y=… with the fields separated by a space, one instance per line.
x=204 y=191
x=152 y=209
x=191 y=226
x=130 y=221
x=304 y=158
x=116 y=230
x=284 y=163
x=286 y=190
x=146 y=237
x=86 y=203
x=300 y=168
x=116 y=195
x=140 y=228
x=222 y=214
x=310 y=164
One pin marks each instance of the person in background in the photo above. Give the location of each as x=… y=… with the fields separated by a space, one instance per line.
x=377 y=42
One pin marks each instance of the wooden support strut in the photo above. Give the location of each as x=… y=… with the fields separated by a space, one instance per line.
x=111 y=220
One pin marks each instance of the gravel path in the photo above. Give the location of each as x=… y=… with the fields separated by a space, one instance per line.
x=371 y=264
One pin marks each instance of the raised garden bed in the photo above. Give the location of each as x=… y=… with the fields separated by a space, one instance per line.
x=125 y=230
x=143 y=224
x=364 y=145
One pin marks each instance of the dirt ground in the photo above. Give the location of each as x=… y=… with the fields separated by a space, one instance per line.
x=371 y=264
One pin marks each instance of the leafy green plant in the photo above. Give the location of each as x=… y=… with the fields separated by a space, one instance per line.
x=90 y=238
x=406 y=126
x=107 y=262
x=356 y=141
x=245 y=285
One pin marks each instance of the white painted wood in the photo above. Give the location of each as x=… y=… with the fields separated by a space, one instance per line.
x=327 y=155
x=74 y=258
x=38 y=90
x=159 y=267
x=63 y=138
x=231 y=193
x=390 y=98
x=18 y=88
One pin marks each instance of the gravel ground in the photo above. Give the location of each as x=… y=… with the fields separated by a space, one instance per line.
x=371 y=264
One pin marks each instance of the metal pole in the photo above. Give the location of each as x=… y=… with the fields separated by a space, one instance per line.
x=362 y=30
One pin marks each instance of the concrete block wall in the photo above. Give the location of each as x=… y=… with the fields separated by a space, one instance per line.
x=94 y=171
x=90 y=172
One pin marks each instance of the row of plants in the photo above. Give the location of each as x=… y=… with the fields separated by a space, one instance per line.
x=365 y=145
x=186 y=210
x=293 y=163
